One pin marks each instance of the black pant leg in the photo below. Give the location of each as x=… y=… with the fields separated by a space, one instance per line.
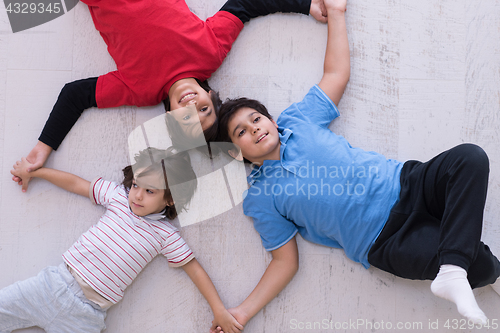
x=438 y=219
x=455 y=186
x=485 y=269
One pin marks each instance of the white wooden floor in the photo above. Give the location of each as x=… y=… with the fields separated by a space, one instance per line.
x=425 y=77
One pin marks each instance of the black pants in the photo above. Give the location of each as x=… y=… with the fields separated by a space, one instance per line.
x=438 y=219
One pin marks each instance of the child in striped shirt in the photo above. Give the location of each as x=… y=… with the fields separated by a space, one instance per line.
x=74 y=296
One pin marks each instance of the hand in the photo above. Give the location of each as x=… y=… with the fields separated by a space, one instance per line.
x=224 y=322
x=36 y=159
x=318 y=11
x=20 y=171
x=239 y=315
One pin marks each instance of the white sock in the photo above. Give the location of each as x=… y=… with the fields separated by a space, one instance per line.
x=451 y=284
x=496 y=286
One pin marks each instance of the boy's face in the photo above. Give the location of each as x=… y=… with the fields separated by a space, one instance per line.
x=188 y=92
x=255 y=134
x=146 y=195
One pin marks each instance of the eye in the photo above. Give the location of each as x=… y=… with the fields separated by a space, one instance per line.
x=256 y=119
x=150 y=191
x=204 y=109
x=134 y=185
x=241 y=132
x=186 y=117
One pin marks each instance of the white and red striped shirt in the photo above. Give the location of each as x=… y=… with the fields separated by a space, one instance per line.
x=112 y=252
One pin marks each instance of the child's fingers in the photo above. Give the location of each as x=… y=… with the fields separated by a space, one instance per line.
x=318 y=15
x=239 y=326
x=15 y=177
x=24 y=185
x=31 y=166
x=215 y=329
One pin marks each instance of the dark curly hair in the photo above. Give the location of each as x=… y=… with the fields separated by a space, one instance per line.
x=227 y=112
x=229 y=109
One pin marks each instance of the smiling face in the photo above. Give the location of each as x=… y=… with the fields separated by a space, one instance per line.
x=186 y=92
x=255 y=134
x=146 y=195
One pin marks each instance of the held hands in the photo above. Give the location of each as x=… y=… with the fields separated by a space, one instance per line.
x=319 y=8
x=36 y=158
x=224 y=322
x=20 y=171
x=239 y=315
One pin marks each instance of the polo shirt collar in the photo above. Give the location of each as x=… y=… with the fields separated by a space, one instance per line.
x=151 y=217
x=156 y=217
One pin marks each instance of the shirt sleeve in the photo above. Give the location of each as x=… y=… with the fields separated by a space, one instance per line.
x=248 y=9
x=102 y=191
x=74 y=98
x=275 y=230
x=316 y=108
x=176 y=250
x=226 y=28
x=112 y=90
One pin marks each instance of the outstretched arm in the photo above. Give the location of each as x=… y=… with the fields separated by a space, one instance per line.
x=337 y=58
x=201 y=279
x=64 y=180
x=248 y=9
x=278 y=274
x=74 y=98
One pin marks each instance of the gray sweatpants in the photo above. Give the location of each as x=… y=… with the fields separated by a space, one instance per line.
x=52 y=300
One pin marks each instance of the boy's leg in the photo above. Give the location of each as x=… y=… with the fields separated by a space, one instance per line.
x=439 y=218
x=455 y=187
x=485 y=269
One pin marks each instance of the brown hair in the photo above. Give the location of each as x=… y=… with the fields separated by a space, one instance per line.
x=165 y=162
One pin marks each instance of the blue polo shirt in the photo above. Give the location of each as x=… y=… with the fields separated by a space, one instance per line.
x=324 y=189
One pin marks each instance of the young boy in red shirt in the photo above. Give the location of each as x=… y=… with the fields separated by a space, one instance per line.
x=163 y=52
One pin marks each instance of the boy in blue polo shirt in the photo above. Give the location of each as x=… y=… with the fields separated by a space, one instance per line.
x=415 y=220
